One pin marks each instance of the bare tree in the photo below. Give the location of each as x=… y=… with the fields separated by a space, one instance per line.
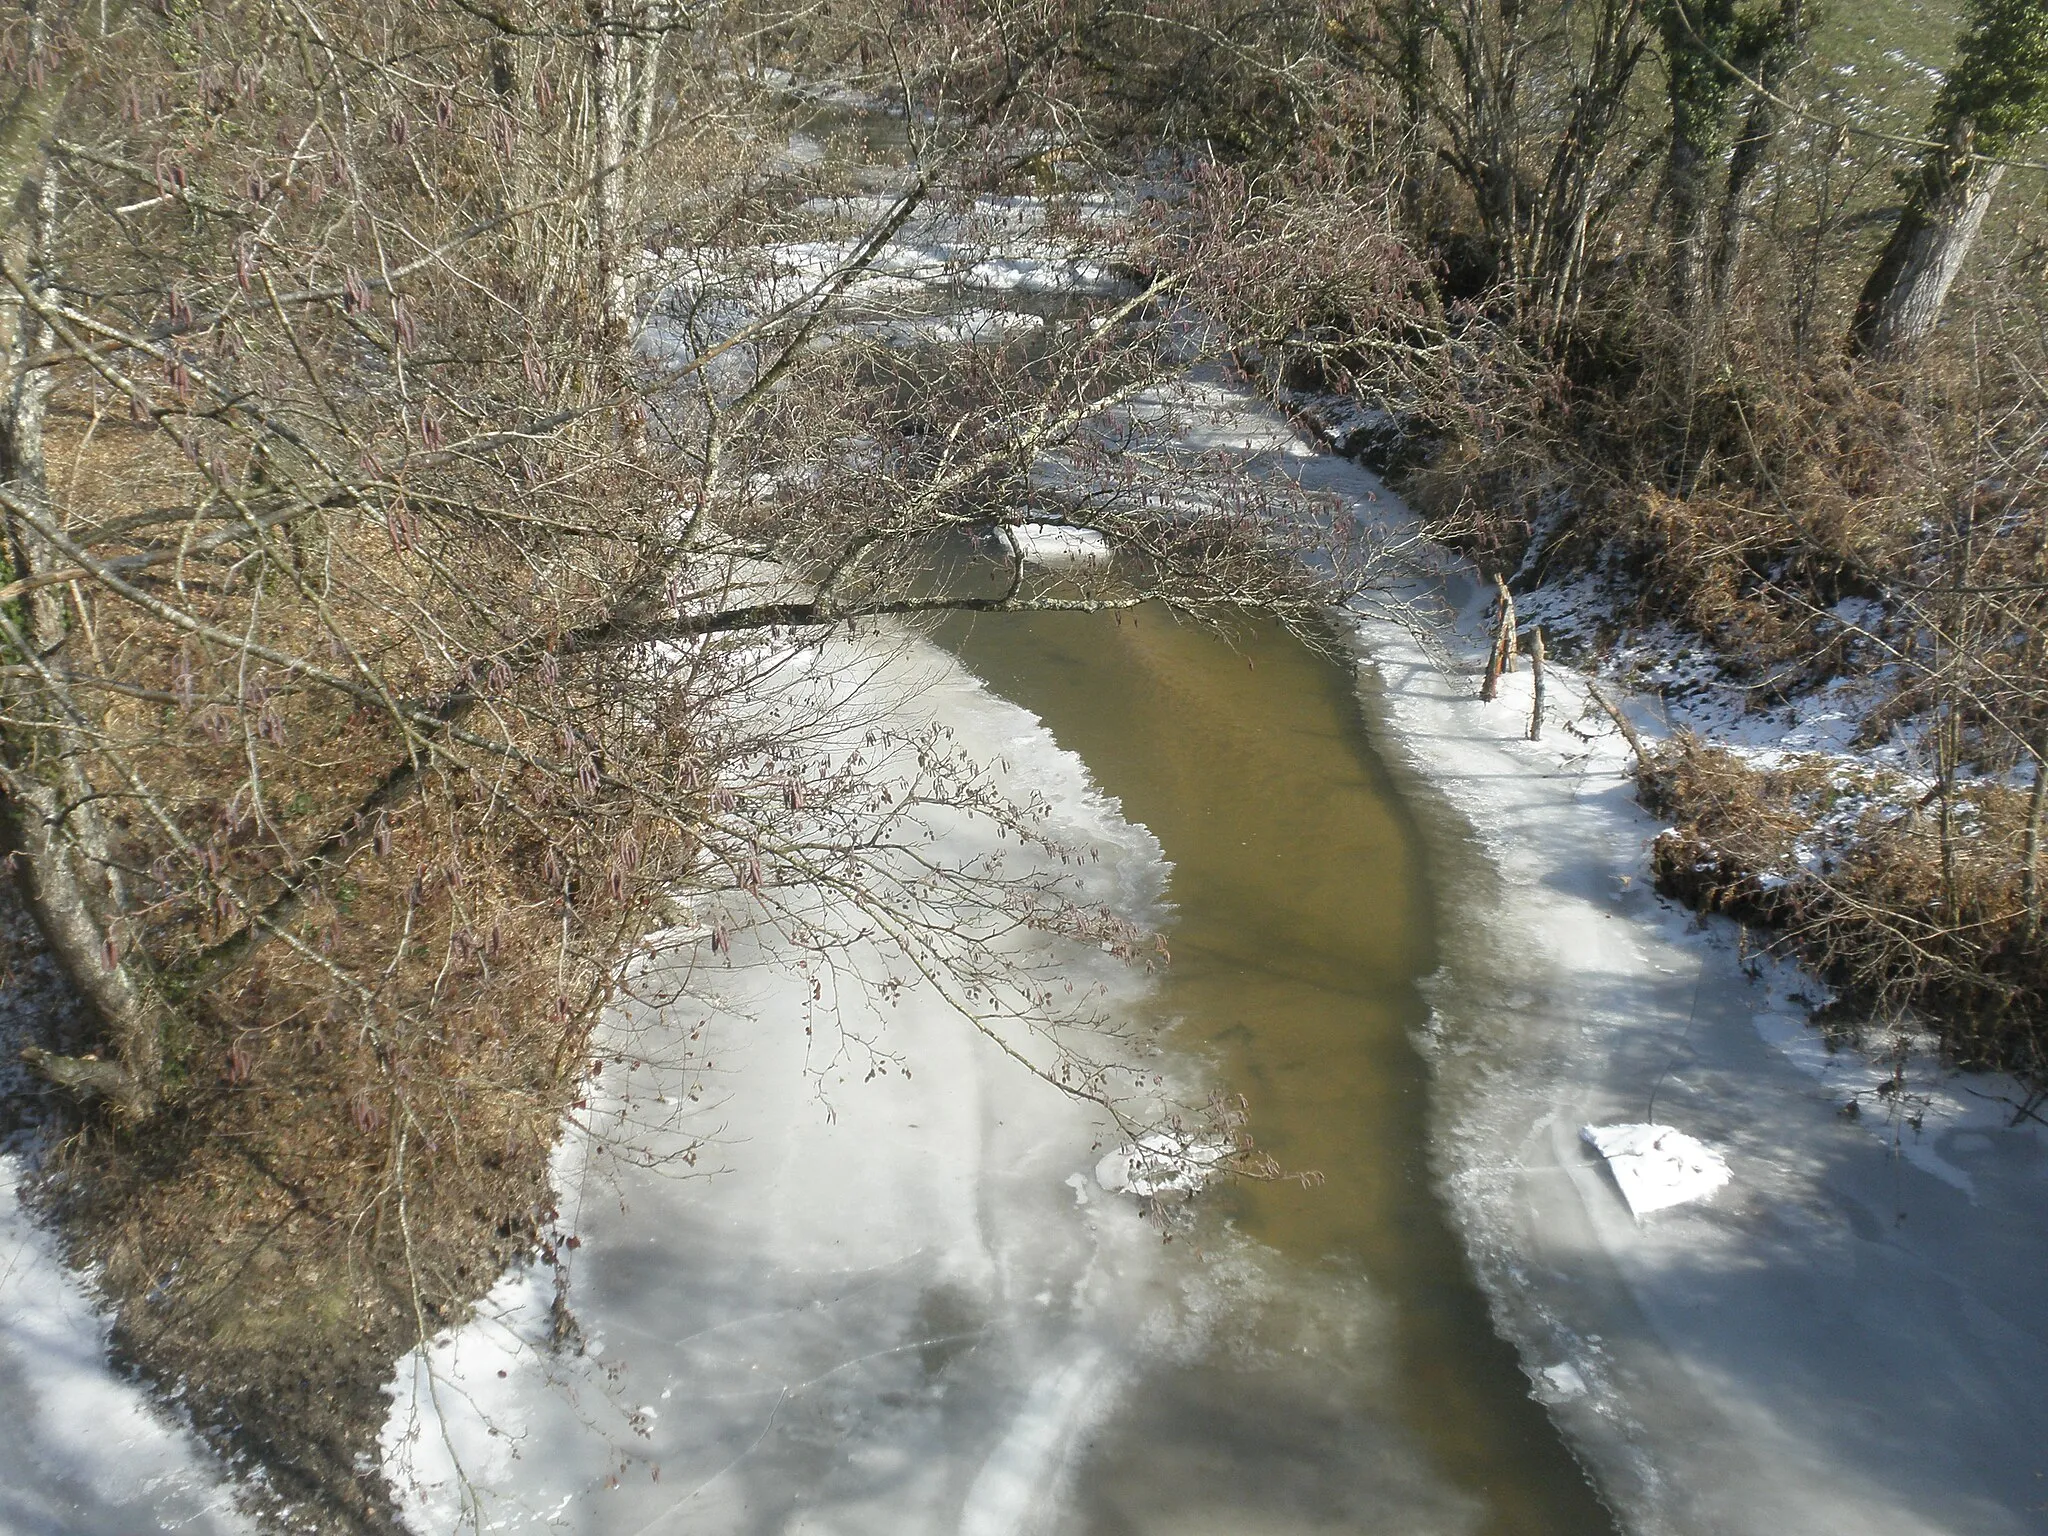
x=1528 y=109
x=1994 y=97
x=425 y=448
x=1709 y=48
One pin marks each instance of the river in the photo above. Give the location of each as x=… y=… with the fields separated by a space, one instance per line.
x=898 y=1305
x=1302 y=917
x=901 y=1306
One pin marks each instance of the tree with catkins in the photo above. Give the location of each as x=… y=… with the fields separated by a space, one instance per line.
x=404 y=563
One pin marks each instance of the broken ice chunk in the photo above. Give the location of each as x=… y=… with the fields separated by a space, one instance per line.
x=1560 y=1383
x=1657 y=1165
x=1159 y=1164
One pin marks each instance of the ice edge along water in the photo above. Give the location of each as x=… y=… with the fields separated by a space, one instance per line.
x=83 y=1452
x=1851 y=1335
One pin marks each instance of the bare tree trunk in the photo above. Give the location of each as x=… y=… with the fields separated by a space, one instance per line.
x=1990 y=101
x=1502 y=657
x=1412 y=66
x=1485 y=42
x=45 y=848
x=1948 y=751
x=57 y=840
x=1903 y=299
x=612 y=108
x=1536 y=676
x=1760 y=128
x=511 y=56
x=1694 y=34
x=1752 y=152
x=646 y=87
x=1569 y=201
x=1685 y=194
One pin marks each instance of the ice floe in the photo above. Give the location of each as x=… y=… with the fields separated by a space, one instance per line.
x=1052 y=546
x=1160 y=1164
x=1657 y=1166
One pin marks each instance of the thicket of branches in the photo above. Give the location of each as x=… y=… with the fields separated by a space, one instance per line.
x=421 y=478
x=1673 y=311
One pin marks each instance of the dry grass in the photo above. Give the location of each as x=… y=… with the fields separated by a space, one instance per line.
x=1851 y=870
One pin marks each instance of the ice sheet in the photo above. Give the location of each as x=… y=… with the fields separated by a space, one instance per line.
x=1048 y=545
x=83 y=1452
x=1657 y=1166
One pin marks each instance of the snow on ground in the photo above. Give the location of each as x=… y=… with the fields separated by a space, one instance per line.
x=910 y=293
x=791 y=275
x=1844 y=1338
x=82 y=1451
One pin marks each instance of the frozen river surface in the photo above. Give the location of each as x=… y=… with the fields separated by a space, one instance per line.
x=905 y=1304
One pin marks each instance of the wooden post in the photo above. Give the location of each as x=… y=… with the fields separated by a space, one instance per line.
x=1502 y=657
x=1536 y=673
x=1628 y=732
x=2030 y=869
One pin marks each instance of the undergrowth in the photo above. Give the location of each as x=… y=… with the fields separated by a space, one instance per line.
x=1910 y=906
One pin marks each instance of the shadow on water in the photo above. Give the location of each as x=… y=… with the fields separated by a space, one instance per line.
x=1302 y=922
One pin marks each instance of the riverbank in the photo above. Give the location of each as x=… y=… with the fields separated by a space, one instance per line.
x=1849 y=1335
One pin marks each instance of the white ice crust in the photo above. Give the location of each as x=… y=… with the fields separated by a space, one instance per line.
x=83 y=1451
x=1052 y=546
x=1657 y=1166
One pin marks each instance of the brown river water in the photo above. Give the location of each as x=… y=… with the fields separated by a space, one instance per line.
x=1303 y=918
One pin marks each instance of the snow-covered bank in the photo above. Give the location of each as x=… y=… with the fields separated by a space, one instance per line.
x=1840 y=1339
x=82 y=1451
x=883 y=1296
